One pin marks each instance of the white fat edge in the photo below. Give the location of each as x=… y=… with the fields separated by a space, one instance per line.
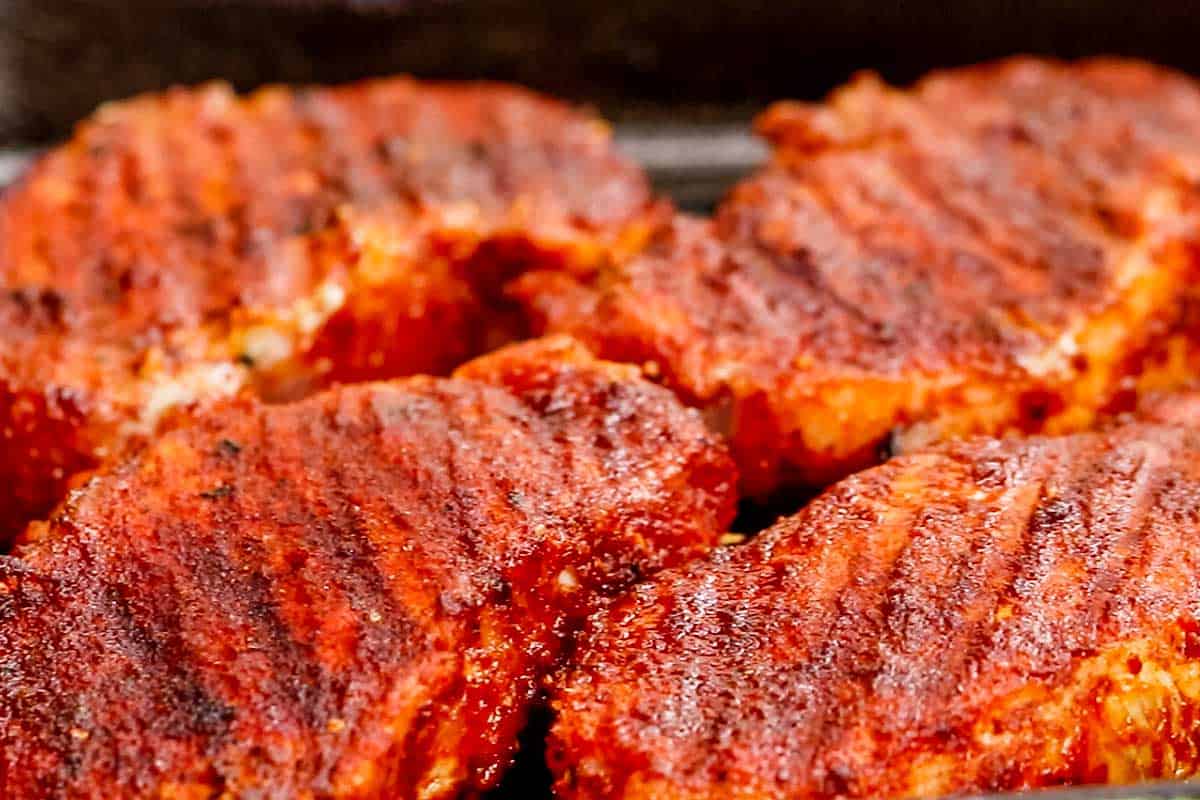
x=167 y=391
x=1055 y=359
x=265 y=346
x=274 y=337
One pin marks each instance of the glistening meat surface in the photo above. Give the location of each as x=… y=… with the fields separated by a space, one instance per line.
x=987 y=615
x=190 y=244
x=1005 y=248
x=353 y=596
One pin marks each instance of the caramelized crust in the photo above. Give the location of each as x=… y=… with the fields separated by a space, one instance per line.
x=1002 y=248
x=356 y=595
x=1176 y=407
x=188 y=244
x=993 y=614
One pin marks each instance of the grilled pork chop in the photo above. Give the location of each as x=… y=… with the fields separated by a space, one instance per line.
x=356 y=595
x=1003 y=248
x=986 y=615
x=189 y=244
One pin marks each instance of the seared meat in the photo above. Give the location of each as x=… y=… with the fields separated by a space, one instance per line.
x=356 y=595
x=164 y=254
x=1177 y=407
x=1002 y=248
x=992 y=614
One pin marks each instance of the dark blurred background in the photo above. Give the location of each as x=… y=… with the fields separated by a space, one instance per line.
x=647 y=61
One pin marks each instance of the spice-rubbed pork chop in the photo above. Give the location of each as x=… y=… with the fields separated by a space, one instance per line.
x=1001 y=248
x=355 y=595
x=187 y=244
x=986 y=615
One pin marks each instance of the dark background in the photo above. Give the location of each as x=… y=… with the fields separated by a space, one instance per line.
x=652 y=60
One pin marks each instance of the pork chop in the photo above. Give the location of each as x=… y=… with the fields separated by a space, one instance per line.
x=1005 y=248
x=986 y=615
x=192 y=244
x=355 y=596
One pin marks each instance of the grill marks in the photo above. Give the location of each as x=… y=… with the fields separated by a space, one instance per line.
x=363 y=610
x=977 y=617
x=290 y=621
x=55 y=630
x=918 y=262
x=192 y=244
x=364 y=597
x=1003 y=198
x=252 y=172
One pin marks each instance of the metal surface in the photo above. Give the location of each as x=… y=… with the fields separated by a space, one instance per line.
x=13 y=162
x=693 y=164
